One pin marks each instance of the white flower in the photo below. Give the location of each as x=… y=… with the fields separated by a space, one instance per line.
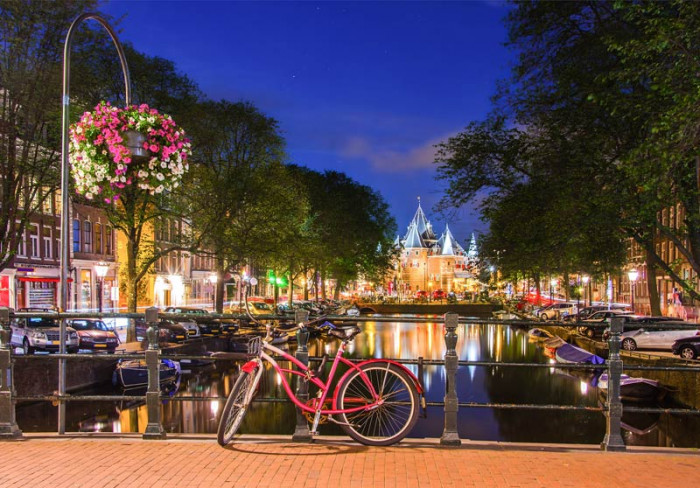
x=160 y=176
x=159 y=189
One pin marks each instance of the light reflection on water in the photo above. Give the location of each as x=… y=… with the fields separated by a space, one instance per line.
x=401 y=340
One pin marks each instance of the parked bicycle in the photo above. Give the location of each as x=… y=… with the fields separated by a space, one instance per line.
x=375 y=402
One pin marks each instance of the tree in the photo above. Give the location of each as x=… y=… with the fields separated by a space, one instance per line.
x=606 y=94
x=244 y=205
x=31 y=51
x=351 y=227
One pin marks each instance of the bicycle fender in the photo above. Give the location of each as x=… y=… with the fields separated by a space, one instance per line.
x=249 y=367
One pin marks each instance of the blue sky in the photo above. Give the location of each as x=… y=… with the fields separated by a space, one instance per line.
x=366 y=88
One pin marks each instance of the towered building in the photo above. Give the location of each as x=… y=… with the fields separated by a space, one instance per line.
x=428 y=263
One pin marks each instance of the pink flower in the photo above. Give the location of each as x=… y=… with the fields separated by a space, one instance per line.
x=154 y=148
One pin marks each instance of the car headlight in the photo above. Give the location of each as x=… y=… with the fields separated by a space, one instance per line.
x=111 y=340
x=74 y=335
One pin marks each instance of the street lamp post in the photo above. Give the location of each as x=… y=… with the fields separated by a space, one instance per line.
x=632 y=274
x=65 y=192
x=586 y=281
x=101 y=269
x=214 y=278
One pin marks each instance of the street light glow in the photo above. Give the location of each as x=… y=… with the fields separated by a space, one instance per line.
x=633 y=274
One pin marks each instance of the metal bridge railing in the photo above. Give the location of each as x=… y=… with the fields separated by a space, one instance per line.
x=612 y=409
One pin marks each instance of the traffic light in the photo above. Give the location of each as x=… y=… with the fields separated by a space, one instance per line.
x=281 y=281
x=271 y=276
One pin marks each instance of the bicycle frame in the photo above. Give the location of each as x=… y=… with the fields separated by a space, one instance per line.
x=305 y=372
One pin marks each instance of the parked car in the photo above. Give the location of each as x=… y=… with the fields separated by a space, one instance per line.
x=653 y=339
x=421 y=296
x=439 y=295
x=40 y=334
x=586 y=327
x=93 y=334
x=168 y=331
x=208 y=328
x=555 y=311
x=586 y=312
x=687 y=347
x=636 y=322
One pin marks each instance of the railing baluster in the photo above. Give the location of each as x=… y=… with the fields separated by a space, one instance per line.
x=613 y=440
x=450 y=436
x=301 y=432
x=154 y=429
x=8 y=422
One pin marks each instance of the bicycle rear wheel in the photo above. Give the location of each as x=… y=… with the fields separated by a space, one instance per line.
x=392 y=417
x=236 y=406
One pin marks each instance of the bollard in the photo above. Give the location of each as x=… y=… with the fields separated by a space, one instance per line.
x=8 y=422
x=301 y=431
x=450 y=436
x=154 y=429
x=613 y=439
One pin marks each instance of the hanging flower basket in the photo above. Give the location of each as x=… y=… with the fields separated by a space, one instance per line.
x=112 y=147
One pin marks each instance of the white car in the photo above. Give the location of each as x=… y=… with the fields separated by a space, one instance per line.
x=654 y=339
x=41 y=334
x=556 y=311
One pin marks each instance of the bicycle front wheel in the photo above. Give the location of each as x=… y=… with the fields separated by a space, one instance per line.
x=386 y=420
x=236 y=406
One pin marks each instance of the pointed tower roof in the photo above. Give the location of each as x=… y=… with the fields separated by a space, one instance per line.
x=450 y=246
x=397 y=242
x=413 y=238
x=472 y=253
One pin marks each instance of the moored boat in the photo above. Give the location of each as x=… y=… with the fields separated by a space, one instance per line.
x=570 y=354
x=634 y=389
x=134 y=372
x=551 y=345
x=539 y=334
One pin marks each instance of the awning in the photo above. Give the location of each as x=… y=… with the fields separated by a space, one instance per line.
x=42 y=279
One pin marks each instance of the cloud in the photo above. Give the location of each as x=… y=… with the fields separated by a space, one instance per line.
x=392 y=160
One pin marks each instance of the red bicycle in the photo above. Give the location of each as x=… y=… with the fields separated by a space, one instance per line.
x=376 y=401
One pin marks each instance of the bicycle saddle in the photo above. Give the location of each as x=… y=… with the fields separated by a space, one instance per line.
x=345 y=334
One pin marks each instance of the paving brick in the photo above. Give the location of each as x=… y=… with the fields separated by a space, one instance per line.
x=275 y=462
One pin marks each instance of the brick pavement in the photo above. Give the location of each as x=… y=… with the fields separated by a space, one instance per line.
x=197 y=461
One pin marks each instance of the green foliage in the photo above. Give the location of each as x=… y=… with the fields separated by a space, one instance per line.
x=595 y=133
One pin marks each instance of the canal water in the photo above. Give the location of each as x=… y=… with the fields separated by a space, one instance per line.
x=402 y=340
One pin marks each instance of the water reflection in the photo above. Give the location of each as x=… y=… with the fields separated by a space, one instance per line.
x=501 y=384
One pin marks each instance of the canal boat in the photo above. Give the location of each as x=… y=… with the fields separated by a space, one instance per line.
x=551 y=345
x=504 y=315
x=133 y=372
x=634 y=389
x=539 y=334
x=570 y=354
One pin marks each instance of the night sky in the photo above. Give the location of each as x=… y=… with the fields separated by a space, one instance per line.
x=366 y=88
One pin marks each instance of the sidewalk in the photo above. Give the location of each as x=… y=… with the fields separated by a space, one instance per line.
x=197 y=461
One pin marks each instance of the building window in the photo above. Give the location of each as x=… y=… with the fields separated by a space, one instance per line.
x=34 y=240
x=98 y=238
x=108 y=240
x=87 y=236
x=22 y=243
x=46 y=233
x=76 y=236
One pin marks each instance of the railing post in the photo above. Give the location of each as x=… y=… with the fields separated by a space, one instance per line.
x=450 y=436
x=301 y=432
x=613 y=439
x=154 y=429
x=8 y=422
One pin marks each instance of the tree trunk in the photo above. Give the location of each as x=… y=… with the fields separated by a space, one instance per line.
x=652 y=287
